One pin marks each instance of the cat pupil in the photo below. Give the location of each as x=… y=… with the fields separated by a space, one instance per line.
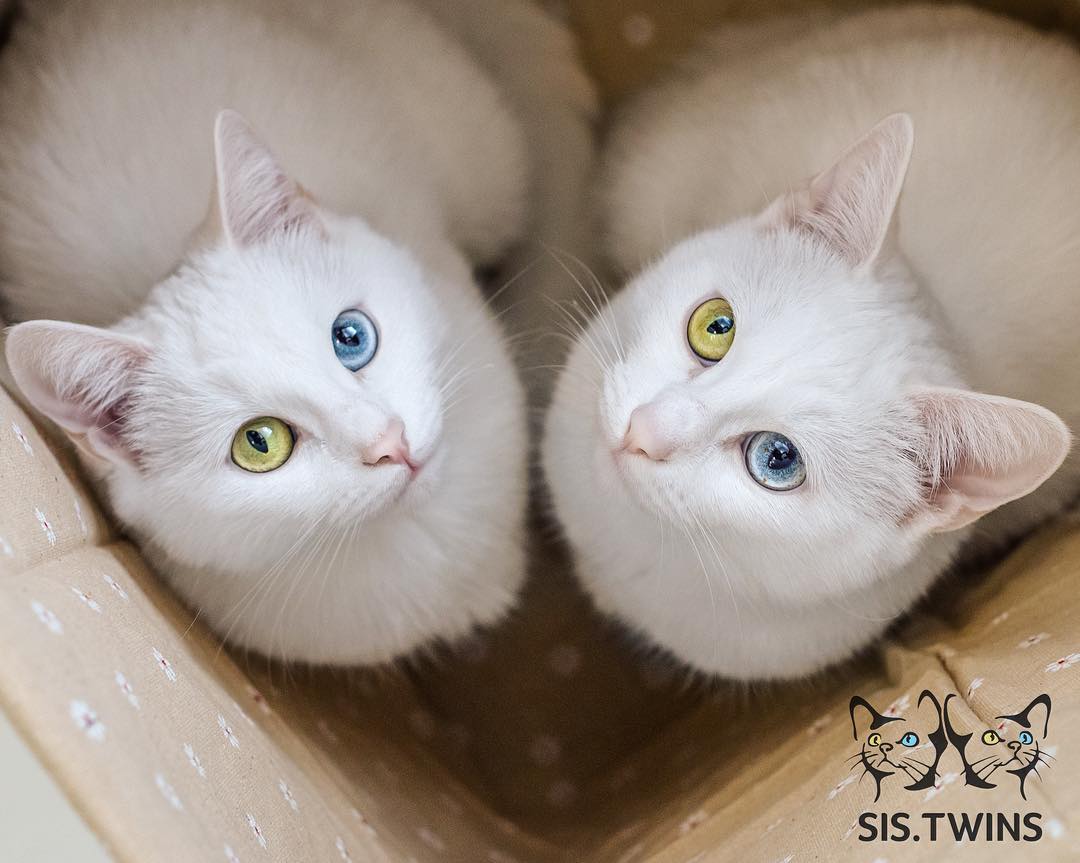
x=781 y=456
x=348 y=335
x=721 y=325
x=257 y=441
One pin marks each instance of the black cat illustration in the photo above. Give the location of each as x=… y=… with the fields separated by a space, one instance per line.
x=1013 y=745
x=910 y=747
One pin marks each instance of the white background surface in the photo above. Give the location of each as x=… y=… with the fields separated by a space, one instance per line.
x=37 y=824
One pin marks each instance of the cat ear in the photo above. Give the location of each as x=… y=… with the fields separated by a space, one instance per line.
x=980 y=451
x=927 y=695
x=254 y=198
x=938 y=736
x=960 y=742
x=79 y=377
x=876 y=719
x=1024 y=716
x=850 y=206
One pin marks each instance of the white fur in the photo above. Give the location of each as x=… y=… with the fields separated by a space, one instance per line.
x=106 y=152
x=420 y=168
x=866 y=343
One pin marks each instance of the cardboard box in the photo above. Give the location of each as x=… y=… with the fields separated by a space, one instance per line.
x=554 y=737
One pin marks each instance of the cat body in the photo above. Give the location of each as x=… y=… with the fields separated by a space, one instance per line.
x=386 y=164
x=865 y=328
x=427 y=152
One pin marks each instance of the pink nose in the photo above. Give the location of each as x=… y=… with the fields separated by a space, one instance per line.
x=644 y=436
x=390 y=447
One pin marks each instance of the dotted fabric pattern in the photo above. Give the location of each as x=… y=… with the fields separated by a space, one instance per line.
x=549 y=738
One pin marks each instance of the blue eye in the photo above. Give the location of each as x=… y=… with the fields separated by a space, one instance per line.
x=910 y=739
x=1025 y=737
x=773 y=462
x=355 y=339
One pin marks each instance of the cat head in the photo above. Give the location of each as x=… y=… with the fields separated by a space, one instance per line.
x=290 y=376
x=909 y=747
x=1013 y=745
x=776 y=389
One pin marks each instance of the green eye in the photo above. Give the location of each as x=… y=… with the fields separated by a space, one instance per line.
x=711 y=329
x=874 y=739
x=990 y=738
x=262 y=445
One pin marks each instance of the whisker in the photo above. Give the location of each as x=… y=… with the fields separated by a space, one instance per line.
x=489 y=300
x=708 y=584
x=1040 y=760
x=601 y=309
x=468 y=338
x=267 y=577
x=299 y=574
x=917 y=761
x=579 y=333
x=714 y=546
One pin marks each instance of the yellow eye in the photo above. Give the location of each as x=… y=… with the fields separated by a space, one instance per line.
x=874 y=739
x=990 y=738
x=711 y=329
x=262 y=445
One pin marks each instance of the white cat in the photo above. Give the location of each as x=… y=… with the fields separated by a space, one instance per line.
x=778 y=435
x=312 y=422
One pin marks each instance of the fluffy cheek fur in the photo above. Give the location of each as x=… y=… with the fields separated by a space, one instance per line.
x=844 y=530
x=733 y=579
x=328 y=560
x=367 y=563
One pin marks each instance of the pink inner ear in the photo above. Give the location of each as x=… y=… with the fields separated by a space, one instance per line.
x=256 y=199
x=850 y=206
x=79 y=377
x=982 y=451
